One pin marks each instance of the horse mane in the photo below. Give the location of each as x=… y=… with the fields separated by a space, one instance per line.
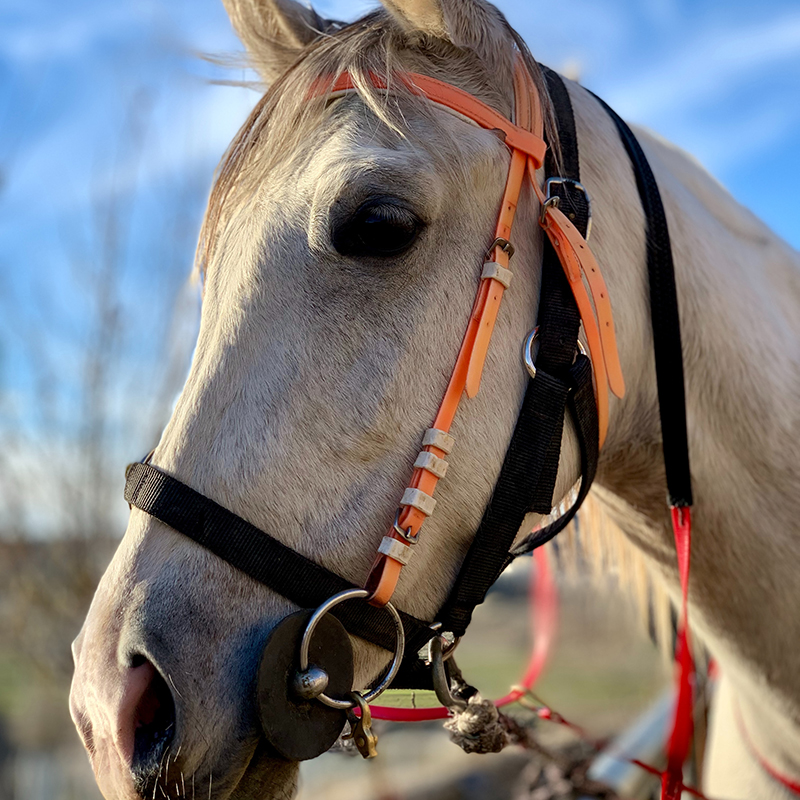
x=373 y=44
x=595 y=545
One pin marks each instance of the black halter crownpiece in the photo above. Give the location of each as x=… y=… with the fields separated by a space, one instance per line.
x=527 y=476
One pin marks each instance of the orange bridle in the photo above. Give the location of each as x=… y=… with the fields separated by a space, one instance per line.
x=525 y=139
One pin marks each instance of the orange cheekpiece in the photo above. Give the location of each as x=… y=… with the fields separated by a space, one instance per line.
x=524 y=137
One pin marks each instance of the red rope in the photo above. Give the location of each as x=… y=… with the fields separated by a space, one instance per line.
x=544 y=618
x=683 y=722
x=785 y=781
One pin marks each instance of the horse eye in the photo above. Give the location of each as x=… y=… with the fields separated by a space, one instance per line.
x=378 y=228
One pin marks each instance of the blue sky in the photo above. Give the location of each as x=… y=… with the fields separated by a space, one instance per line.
x=108 y=105
x=721 y=79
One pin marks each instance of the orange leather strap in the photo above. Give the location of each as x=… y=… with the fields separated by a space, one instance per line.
x=444 y=94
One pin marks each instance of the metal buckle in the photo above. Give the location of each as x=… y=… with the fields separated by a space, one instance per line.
x=550 y=202
x=404 y=534
x=549 y=197
x=503 y=244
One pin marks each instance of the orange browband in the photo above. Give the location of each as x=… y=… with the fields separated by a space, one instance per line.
x=526 y=142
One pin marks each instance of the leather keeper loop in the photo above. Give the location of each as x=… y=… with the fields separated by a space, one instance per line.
x=433 y=464
x=395 y=549
x=435 y=438
x=416 y=498
x=491 y=269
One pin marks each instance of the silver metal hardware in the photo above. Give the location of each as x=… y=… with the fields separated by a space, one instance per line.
x=400 y=646
x=550 y=202
x=527 y=354
x=361 y=727
x=548 y=191
x=441 y=685
x=503 y=244
x=405 y=534
x=527 y=351
x=449 y=644
x=310 y=683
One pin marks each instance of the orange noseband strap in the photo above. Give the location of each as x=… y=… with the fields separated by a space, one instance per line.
x=526 y=142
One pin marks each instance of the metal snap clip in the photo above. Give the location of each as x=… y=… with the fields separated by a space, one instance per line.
x=441 y=684
x=448 y=645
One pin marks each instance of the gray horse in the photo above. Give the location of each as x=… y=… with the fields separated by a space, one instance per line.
x=317 y=368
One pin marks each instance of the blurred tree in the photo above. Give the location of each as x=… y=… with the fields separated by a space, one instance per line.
x=91 y=366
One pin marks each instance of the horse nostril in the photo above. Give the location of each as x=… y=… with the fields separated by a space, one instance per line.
x=153 y=723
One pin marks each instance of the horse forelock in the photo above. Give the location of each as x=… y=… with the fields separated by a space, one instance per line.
x=374 y=44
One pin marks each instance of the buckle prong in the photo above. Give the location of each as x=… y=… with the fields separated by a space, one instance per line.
x=404 y=534
x=503 y=244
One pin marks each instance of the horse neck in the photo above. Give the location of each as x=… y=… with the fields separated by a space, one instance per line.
x=739 y=296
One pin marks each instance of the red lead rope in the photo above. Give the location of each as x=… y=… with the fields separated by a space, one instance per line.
x=544 y=607
x=683 y=722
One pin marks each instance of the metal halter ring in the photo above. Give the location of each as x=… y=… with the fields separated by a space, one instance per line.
x=527 y=347
x=383 y=684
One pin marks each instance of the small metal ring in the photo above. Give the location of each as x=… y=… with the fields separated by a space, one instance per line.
x=527 y=347
x=383 y=684
x=527 y=356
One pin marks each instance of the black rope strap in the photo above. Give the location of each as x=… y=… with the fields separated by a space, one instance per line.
x=489 y=553
x=261 y=556
x=583 y=409
x=665 y=321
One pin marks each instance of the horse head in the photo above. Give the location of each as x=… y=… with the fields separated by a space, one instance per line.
x=339 y=257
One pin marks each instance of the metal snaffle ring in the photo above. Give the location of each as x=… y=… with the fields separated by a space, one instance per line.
x=383 y=684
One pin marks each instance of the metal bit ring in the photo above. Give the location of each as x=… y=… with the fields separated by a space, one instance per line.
x=385 y=681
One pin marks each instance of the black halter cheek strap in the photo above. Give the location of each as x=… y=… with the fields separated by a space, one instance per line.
x=528 y=474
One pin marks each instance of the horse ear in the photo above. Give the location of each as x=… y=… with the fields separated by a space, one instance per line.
x=469 y=24
x=275 y=31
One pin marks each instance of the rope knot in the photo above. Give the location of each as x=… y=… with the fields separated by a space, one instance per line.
x=477 y=728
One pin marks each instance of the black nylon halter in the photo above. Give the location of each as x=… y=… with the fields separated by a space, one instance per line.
x=529 y=470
